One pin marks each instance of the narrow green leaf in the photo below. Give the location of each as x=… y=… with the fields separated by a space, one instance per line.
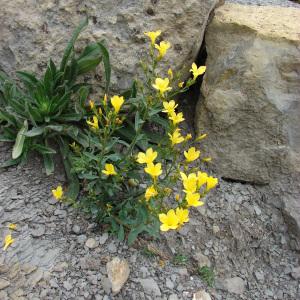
x=35 y=131
x=121 y=233
x=106 y=63
x=48 y=163
x=43 y=149
x=18 y=146
x=71 y=43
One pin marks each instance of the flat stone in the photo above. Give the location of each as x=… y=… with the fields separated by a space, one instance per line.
x=103 y=238
x=28 y=268
x=235 y=285
x=76 y=229
x=118 y=273
x=38 y=231
x=202 y=260
x=67 y=285
x=173 y=297
x=60 y=267
x=91 y=243
x=295 y=273
x=150 y=287
x=35 y=277
x=201 y=295
x=4 y=283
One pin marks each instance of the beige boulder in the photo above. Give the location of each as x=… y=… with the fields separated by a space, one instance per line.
x=31 y=31
x=251 y=101
x=251 y=105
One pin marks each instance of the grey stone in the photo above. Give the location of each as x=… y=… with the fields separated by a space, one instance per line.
x=76 y=229
x=296 y=273
x=38 y=231
x=173 y=297
x=235 y=285
x=150 y=287
x=169 y=284
x=4 y=283
x=91 y=243
x=112 y=248
x=3 y=295
x=81 y=239
x=35 y=277
x=106 y=284
x=60 y=267
x=68 y=285
x=103 y=238
x=259 y=275
x=201 y=259
x=31 y=36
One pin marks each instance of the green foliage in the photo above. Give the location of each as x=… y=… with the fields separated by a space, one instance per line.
x=207 y=275
x=180 y=259
x=117 y=188
x=40 y=112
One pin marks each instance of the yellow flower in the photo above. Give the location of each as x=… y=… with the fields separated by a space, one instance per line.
x=58 y=192
x=193 y=199
x=201 y=137
x=169 y=107
x=170 y=73
x=162 y=85
x=153 y=35
x=182 y=215
x=188 y=137
x=191 y=154
x=206 y=159
x=176 y=118
x=177 y=197
x=180 y=84
x=109 y=170
x=93 y=123
x=92 y=104
x=8 y=241
x=201 y=178
x=176 y=137
x=148 y=157
x=150 y=192
x=211 y=182
x=189 y=182
x=162 y=48
x=12 y=226
x=153 y=170
x=197 y=71
x=117 y=102
x=169 y=220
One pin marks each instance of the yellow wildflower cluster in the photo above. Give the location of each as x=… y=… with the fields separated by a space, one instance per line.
x=162 y=47
x=9 y=240
x=116 y=102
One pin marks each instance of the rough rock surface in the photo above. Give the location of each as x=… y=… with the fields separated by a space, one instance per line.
x=251 y=91
x=31 y=31
x=252 y=243
x=251 y=105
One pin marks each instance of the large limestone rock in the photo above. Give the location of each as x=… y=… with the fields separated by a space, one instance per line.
x=251 y=105
x=32 y=30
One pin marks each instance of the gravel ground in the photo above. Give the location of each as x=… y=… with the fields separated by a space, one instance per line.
x=284 y=3
x=60 y=253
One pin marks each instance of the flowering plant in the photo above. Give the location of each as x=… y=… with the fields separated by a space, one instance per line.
x=138 y=158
